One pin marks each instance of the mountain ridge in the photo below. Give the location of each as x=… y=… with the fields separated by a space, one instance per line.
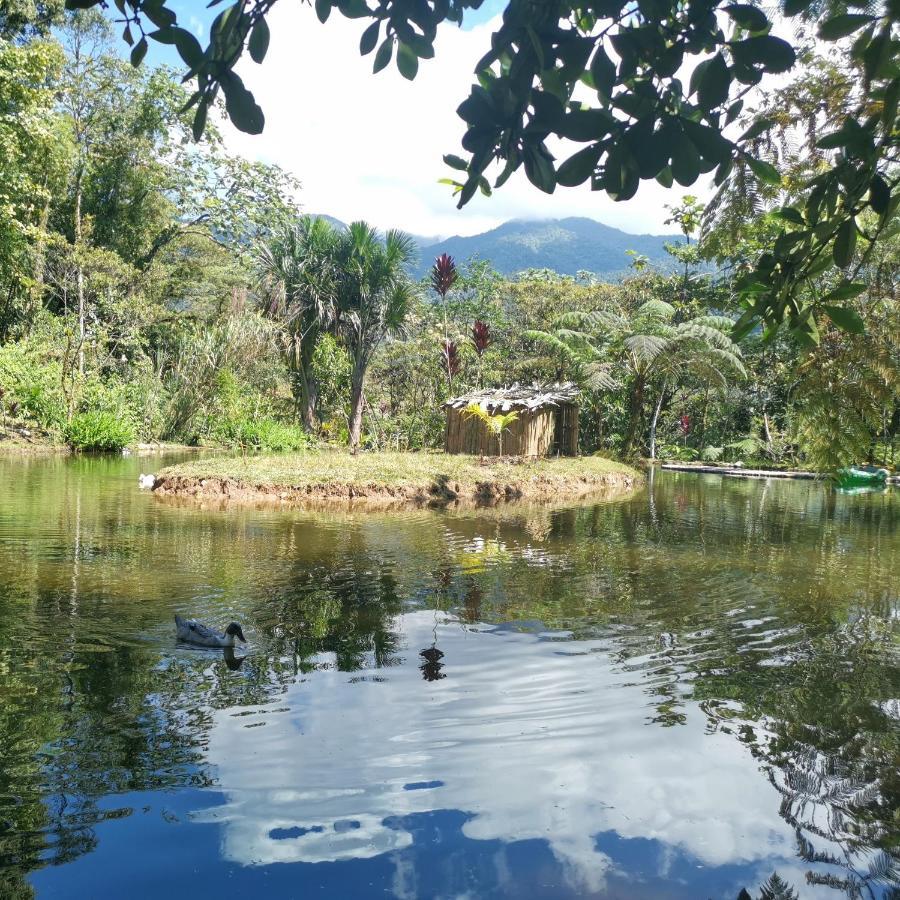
x=567 y=246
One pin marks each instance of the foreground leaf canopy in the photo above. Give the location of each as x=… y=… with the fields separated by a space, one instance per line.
x=607 y=77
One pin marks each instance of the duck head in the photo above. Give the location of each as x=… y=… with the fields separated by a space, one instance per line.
x=234 y=631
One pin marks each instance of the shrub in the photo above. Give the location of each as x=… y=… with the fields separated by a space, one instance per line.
x=261 y=434
x=32 y=380
x=97 y=430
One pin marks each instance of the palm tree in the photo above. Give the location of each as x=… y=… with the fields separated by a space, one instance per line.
x=496 y=423
x=650 y=346
x=656 y=348
x=374 y=298
x=298 y=281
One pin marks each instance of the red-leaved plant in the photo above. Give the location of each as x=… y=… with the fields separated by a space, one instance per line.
x=450 y=357
x=481 y=340
x=443 y=277
x=443 y=274
x=481 y=336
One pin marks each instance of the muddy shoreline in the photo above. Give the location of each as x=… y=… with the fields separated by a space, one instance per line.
x=439 y=494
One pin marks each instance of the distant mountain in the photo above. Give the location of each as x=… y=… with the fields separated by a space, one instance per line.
x=567 y=246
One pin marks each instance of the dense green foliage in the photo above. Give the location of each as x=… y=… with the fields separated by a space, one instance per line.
x=159 y=282
x=98 y=430
x=652 y=89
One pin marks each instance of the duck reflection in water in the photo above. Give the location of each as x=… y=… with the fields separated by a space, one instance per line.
x=232 y=660
x=432 y=665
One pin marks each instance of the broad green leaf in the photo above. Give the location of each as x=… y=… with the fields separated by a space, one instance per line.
x=323 y=10
x=456 y=162
x=258 y=45
x=879 y=195
x=764 y=171
x=685 y=159
x=579 y=167
x=240 y=105
x=838 y=27
x=539 y=170
x=199 y=123
x=384 y=54
x=845 y=318
x=845 y=244
x=714 y=83
x=750 y=17
x=768 y=51
x=790 y=214
x=665 y=177
x=760 y=126
x=585 y=125
x=603 y=72
x=877 y=55
x=139 y=51
x=369 y=38
x=407 y=61
x=708 y=141
x=795 y=7
x=188 y=47
x=847 y=290
x=832 y=140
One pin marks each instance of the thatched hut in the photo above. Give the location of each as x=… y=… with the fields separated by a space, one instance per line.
x=547 y=421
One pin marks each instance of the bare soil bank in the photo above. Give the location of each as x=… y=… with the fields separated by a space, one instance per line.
x=427 y=481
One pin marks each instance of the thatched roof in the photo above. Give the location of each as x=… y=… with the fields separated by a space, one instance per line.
x=518 y=396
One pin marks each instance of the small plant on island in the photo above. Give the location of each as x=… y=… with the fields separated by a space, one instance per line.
x=496 y=423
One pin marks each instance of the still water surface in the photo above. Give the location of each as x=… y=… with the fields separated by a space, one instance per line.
x=669 y=696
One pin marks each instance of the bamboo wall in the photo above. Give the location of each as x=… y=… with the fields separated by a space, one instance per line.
x=566 y=437
x=539 y=432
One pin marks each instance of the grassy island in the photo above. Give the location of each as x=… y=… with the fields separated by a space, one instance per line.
x=383 y=479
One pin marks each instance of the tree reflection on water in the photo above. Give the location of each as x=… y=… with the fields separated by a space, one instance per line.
x=771 y=608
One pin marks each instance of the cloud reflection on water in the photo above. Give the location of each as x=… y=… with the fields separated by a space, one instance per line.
x=532 y=738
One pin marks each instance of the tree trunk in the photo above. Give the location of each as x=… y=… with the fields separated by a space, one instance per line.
x=79 y=272
x=655 y=419
x=309 y=396
x=357 y=384
x=36 y=291
x=306 y=391
x=770 y=444
x=703 y=418
x=637 y=405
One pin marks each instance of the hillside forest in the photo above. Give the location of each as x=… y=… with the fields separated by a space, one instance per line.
x=154 y=288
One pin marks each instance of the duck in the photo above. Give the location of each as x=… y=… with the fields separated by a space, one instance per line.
x=146 y=482
x=193 y=632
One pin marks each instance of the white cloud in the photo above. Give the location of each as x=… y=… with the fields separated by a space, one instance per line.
x=370 y=146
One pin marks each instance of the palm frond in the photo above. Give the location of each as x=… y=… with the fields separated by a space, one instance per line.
x=646 y=347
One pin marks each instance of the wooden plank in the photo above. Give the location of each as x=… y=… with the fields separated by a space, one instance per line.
x=738 y=472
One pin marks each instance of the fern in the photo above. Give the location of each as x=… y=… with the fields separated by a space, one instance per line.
x=775 y=888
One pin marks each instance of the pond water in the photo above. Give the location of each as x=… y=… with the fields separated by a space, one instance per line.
x=670 y=695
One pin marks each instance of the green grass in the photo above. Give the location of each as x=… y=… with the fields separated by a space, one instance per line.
x=395 y=470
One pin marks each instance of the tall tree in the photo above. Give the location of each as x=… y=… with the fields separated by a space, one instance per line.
x=22 y=20
x=298 y=281
x=33 y=161
x=374 y=298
